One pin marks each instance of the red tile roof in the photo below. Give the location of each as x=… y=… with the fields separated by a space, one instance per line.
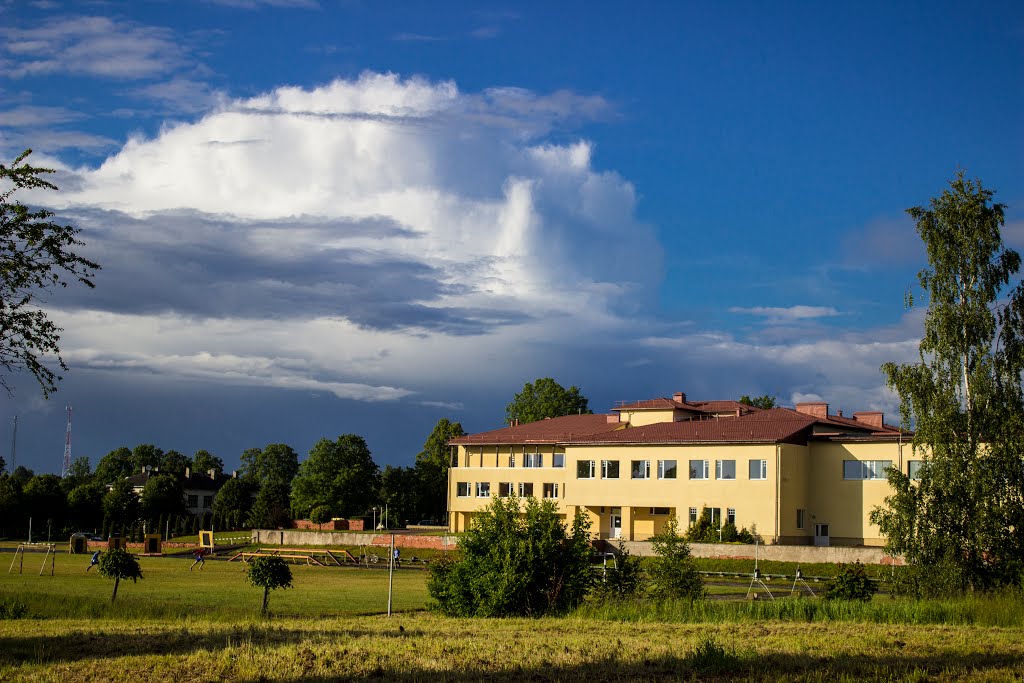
x=549 y=430
x=658 y=404
x=767 y=426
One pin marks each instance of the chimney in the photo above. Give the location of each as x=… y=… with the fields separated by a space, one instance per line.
x=143 y=469
x=613 y=418
x=188 y=472
x=679 y=397
x=212 y=473
x=873 y=418
x=819 y=410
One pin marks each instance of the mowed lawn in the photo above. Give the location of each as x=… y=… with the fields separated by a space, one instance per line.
x=204 y=626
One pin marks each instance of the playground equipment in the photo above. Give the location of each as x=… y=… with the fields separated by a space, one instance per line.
x=78 y=544
x=153 y=545
x=319 y=558
x=19 y=556
x=115 y=542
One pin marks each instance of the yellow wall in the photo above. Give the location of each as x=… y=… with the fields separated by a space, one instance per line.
x=639 y=418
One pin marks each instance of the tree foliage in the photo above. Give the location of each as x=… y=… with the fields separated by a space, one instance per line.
x=672 y=570
x=36 y=255
x=545 y=398
x=268 y=573
x=622 y=579
x=121 y=504
x=203 y=461
x=233 y=500
x=765 y=402
x=117 y=464
x=515 y=562
x=119 y=564
x=320 y=514
x=162 y=495
x=432 y=465
x=963 y=517
x=852 y=583
x=338 y=473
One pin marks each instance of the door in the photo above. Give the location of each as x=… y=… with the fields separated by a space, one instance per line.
x=616 y=523
x=821 y=535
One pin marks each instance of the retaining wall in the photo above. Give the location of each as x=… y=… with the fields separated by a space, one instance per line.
x=292 y=537
x=781 y=553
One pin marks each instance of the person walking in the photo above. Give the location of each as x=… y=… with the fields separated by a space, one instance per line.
x=94 y=561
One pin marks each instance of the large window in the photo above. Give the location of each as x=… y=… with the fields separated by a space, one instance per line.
x=640 y=469
x=666 y=469
x=505 y=489
x=462 y=489
x=725 y=469
x=551 y=490
x=865 y=469
x=533 y=460
x=609 y=469
x=585 y=469
x=558 y=460
x=699 y=469
x=525 y=489
x=483 y=489
x=758 y=469
x=914 y=468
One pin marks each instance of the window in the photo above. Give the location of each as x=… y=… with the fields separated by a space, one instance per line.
x=525 y=489
x=730 y=516
x=914 y=468
x=533 y=460
x=511 y=459
x=716 y=516
x=609 y=469
x=558 y=460
x=698 y=469
x=758 y=469
x=693 y=516
x=660 y=511
x=666 y=469
x=455 y=459
x=725 y=469
x=193 y=500
x=505 y=489
x=865 y=469
x=483 y=489
x=462 y=489
x=801 y=519
x=207 y=501
x=641 y=469
x=585 y=469
x=551 y=490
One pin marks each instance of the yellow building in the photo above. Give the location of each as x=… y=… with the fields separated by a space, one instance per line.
x=801 y=476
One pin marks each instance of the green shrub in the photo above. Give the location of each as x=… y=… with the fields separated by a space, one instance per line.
x=852 y=583
x=268 y=573
x=12 y=610
x=672 y=570
x=515 y=563
x=623 y=580
x=119 y=564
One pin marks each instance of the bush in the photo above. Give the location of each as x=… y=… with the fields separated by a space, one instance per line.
x=12 y=610
x=672 y=570
x=119 y=564
x=623 y=580
x=852 y=583
x=268 y=573
x=514 y=562
x=320 y=514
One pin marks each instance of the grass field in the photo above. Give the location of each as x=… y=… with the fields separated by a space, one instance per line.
x=204 y=626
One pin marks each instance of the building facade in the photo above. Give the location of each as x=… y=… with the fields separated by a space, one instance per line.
x=798 y=475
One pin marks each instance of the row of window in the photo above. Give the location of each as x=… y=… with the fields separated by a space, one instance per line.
x=716 y=516
x=193 y=501
x=669 y=469
x=529 y=460
x=482 y=489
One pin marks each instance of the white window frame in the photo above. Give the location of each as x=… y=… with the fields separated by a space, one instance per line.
x=914 y=469
x=662 y=469
x=730 y=516
x=483 y=489
x=644 y=470
x=705 y=471
x=511 y=459
x=551 y=487
x=463 y=489
x=558 y=460
x=591 y=467
x=719 y=470
x=522 y=489
x=866 y=469
x=761 y=467
x=605 y=464
x=533 y=460
x=507 y=485
x=694 y=516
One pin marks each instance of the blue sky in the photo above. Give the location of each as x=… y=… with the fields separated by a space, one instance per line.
x=318 y=218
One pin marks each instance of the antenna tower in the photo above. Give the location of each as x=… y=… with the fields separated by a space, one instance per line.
x=67 y=448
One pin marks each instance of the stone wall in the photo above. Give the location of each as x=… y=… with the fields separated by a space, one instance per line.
x=293 y=537
x=781 y=553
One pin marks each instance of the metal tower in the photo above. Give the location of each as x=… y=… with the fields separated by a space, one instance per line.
x=67 y=448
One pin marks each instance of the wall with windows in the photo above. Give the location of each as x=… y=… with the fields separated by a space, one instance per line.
x=846 y=482
x=794 y=492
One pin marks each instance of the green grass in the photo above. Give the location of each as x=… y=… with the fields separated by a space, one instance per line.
x=219 y=591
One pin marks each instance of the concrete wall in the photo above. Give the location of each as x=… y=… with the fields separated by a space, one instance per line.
x=781 y=553
x=294 y=537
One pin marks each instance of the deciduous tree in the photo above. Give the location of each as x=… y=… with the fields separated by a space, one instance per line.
x=963 y=518
x=765 y=402
x=338 y=473
x=204 y=461
x=545 y=398
x=36 y=255
x=432 y=465
x=117 y=464
x=672 y=570
x=268 y=573
x=119 y=564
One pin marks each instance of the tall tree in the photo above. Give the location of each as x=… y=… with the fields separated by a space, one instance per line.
x=78 y=474
x=962 y=520
x=121 y=504
x=36 y=255
x=234 y=500
x=338 y=473
x=272 y=471
x=204 y=461
x=117 y=464
x=399 y=493
x=43 y=499
x=162 y=495
x=765 y=402
x=174 y=463
x=85 y=505
x=545 y=398
x=146 y=455
x=432 y=465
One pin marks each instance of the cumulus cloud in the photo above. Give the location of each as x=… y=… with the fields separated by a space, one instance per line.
x=401 y=222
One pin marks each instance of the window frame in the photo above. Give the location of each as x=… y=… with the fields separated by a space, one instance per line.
x=507 y=487
x=533 y=460
x=605 y=466
x=558 y=460
x=662 y=470
x=705 y=464
x=720 y=469
x=762 y=467
x=522 y=489
x=868 y=470
x=580 y=464
x=645 y=467
x=551 y=487
x=801 y=519
x=463 y=489
x=483 y=489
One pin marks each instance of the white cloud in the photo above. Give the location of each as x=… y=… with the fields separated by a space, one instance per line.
x=94 y=46
x=399 y=222
x=788 y=313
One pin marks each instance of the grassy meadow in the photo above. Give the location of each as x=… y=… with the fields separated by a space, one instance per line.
x=203 y=625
